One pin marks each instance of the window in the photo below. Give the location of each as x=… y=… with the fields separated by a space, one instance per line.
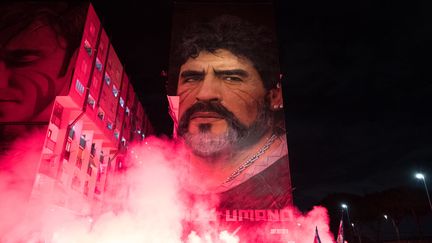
x=98 y=65
x=99 y=175
x=120 y=165
x=84 y=66
x=71 y=133
x=127 y=111
x=101 y=48
x=107 y=79
x=115 y=91
x=91 y=102
x=67 y=151
x=122 y=103
x=117 y=74
x=68 y=146
x=78 y=163
x=58 y=110
x=101 y=157
x=75 y=182
x=82 y=142
x=95 y=81
x=57 y=114
x=79 y=160
x=50 y=144
x=92 y=28
x=123 y=141
x=88 y=48
x=91 y=165
x=89 y=169
x=116 y=134
x=86 y=188
x=97 y=190
x=49 y=133
x=79 y=87
x=93 y=149
x=101 y=114
x=109 y=125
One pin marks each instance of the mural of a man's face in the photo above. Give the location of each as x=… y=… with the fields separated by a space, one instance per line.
x=30 y=64
x=222 y=102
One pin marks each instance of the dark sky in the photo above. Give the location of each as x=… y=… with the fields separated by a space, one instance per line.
x=356 y=85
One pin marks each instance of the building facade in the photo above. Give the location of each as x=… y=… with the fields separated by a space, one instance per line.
x=90 y=128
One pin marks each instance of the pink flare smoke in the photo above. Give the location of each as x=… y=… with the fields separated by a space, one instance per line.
x=148 y=206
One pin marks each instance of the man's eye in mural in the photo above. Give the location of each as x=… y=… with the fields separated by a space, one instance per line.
x=191 y=76
x=233 y=79
x=21 y=57
x=192 y=79
x=231 y=76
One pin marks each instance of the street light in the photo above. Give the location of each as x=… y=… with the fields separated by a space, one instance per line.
x=396 y=228
x=345 y=207
x=355 y=231
x=421 y=176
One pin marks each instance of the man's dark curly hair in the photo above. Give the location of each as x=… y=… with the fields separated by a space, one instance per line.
x=255 y=43
x=66 y=19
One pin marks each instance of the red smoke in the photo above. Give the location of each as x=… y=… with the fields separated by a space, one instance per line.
x=150 y=206
x=17 y=170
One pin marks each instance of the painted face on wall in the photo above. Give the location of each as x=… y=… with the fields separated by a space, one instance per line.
x=223 y=102
x=30 y=65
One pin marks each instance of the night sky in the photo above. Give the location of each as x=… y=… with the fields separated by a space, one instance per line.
x=357 y=91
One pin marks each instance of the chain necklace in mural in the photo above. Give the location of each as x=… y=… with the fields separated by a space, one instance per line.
x=251 y=160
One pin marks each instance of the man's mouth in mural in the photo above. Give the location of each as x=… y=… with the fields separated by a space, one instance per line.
x=207 y=112
x=205 y=117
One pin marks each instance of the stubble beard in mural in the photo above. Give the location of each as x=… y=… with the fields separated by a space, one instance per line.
x=237 y=135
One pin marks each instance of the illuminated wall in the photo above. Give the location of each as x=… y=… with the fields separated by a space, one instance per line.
x=214 y=83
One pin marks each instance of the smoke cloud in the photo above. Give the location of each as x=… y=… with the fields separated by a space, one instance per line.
x=147 y=205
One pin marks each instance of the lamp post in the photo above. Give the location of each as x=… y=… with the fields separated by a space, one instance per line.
x=355 y=229
x=421 y=176
x=345 y=208
x=394 y=226
x=356 y=232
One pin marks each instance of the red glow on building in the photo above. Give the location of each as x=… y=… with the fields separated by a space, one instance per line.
x=90 y=180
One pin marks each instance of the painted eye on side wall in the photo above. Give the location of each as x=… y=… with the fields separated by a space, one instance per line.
x=21 y=58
